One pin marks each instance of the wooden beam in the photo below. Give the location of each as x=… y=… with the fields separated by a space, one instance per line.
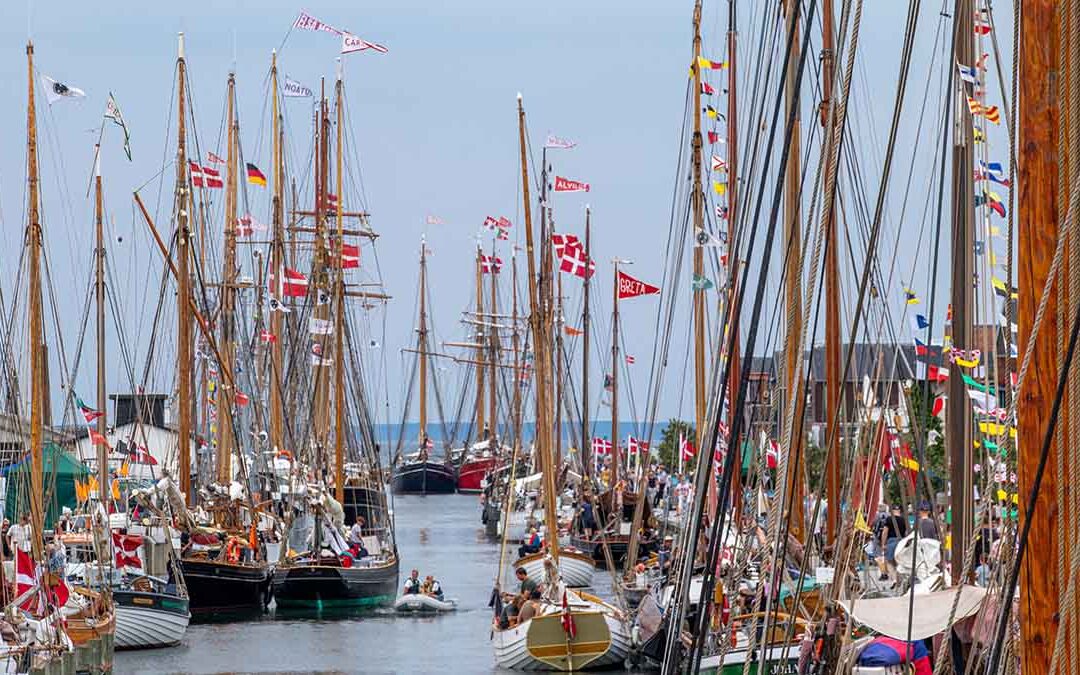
x=370 y=234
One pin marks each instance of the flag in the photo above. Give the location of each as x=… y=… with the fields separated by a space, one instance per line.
x=571 y=254
x=294 y=284
x=711 y=113
x=54 y=90
x=254 y=176
x=920 y=348
x=936 y=374
x=293 y=89
x=554 y=141
x=609 y=383
x=714 y=137
x=434 y=220
x=98 y=439
x=718 y=164
x=567 y=185
x=213 y=158
x=711 y=65
x=978 y=135
x=204 y=176
x=127 y=546
x=630 y=360
x=276 y=306
x=635 y=446
x=350 y=256
x=982 y=26
x=307 y=22
x=992 y=114
x=686 y=448
x=719 y=188
x=721 y=212
x=921 y=322
x=601 y=446
x=772 y=455
x=89 y=413
x=568 y=625
x=490 y=264
x=967 y=73
x=321 y=298
x=701 y=283
x=112 y=112
x=974 y=107
x=320 y=326
x=503 y=224
x=1001 y=289
x=629 y=287
x=572 y=332
x=706 y=89
x=241 y=399
x=351 y=43
x=140 y=454
x=246 y=225
x=267 y=336
x=939 y=405
x=910 y=297
x=705 y=238
x=26 y=581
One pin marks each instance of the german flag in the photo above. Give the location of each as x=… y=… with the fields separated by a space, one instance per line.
x=255 y=176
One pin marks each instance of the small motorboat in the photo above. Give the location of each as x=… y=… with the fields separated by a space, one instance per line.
x=417 y=602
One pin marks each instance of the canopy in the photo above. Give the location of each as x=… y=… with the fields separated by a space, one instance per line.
x=60 y=469
x=930 y=614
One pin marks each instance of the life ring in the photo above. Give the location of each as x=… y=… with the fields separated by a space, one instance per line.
x=284 y=454
x=232 y=550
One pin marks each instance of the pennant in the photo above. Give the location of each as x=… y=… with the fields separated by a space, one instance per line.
x=98 y=439
x=706 y=89
x=711 y=65
x=321 y=298
x=921 y=322
x=112 y=112
x=351 y=43
x=629 y=287
x=554 y=141
x=714 y=137
x=718 y=164
x=704 y=238
x=975 y=384
x=711 y=113
x=572 y=332
x=936 y=374
x=567 y=185
x=307 y=22
x=54 y=90
x=434 y=220
x=700 y=283
x=293 y=89
x=254 y=176
x=213 y=158
x=860 y=523
x=276 y=306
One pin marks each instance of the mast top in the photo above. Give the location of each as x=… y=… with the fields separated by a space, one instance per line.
x=97 y=160
x=519 y=97
x=339 y=68
x=29 y=47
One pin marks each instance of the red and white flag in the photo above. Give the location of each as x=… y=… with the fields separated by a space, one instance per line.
x=331 y=203
x=350 y=256
x=630 y=360
x=936 y=374
x=554 y=141
x=491 y=223
x=571 y=254
x=567 y=185
x=246 y=225
x=635 y=446
x=204 y=176
x=772 y=455
x=26 y=582
x=214 y=159
x=686 y=448
x=294 y=284
x=568 y=625
x=629 y=287
x=140 y=454
x=307 y=22
x=98 y=439
x=490 y=264
x=601 y=446
x=127 y=550
x=351 y=43
x=267 y=336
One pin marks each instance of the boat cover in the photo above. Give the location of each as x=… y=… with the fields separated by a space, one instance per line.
x=930 y=615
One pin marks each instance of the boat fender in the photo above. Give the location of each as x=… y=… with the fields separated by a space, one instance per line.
x=346 y=560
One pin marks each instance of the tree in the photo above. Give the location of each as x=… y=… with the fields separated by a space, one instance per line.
x=669 y=441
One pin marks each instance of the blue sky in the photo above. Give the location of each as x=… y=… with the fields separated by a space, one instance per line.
x=435 y=125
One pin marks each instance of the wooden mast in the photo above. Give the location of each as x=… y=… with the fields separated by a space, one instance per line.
x=228 y=293
x=698 y=208
x=586 y=442
x=833 y=339
x=540 y=336
x=422 y=346
x=516 y=346
x=104 y=490
x=480 y=431
x=1039 y=222
x=183 y=280
x=958 y=406
x=321 y=271
x=339 y=306
x=793 y=294
x=493 y=339
x=733 y=253
x=615 y=451
x=36 y=337
x=277 y=267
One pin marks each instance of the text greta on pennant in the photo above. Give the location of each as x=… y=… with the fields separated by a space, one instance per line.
x=567 y=185
x=629 y=287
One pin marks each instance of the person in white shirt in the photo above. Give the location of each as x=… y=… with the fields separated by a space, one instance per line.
x=20 y=534
x=356 y=533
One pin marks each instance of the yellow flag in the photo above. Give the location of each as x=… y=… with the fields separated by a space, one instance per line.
x=720 y=188
x=1002 y=495
x=909 y=463
x=967 y=363
x=991 y=428
x=860 y=523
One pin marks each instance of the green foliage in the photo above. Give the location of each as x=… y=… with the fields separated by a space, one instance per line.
x=669 y=441
x=936 y=465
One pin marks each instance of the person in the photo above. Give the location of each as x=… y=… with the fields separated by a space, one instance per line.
x=982 y=572
x=527 y=584
x=661 y=484
x=928 y=528
x=56 y=560
x=530 y=607
x=895 y=528
x=356 y=532
x=6 y=540
x=588 y=518
x=531 y=544
x=664 y=556
x=431 y=587
x=412 y=584
x=20 y=534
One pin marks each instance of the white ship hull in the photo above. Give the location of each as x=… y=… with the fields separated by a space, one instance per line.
x=576 y=569
x=144 y=628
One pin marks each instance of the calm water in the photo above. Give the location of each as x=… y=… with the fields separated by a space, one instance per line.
x=441 y=535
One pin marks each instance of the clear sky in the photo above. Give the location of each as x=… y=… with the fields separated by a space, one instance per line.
x=435 y=125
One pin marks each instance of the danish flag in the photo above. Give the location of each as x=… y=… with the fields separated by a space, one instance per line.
x=293 y=285
x=204 y=176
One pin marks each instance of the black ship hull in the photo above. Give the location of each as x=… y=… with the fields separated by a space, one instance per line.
x=217 y=586
x=310 y=586
x=424 y=478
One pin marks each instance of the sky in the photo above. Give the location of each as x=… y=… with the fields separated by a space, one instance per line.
x=435 y=127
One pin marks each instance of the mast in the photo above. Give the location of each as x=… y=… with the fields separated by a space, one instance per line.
x=277 y=265
x=421 y=342
x=558 y=337
x=99 y=288
x=480 y=370
x=494 y=342
x=321 y=269
x=586 y=442
x=733 y=257
x=515 y=345
x=698 y=208
x=183 y=280
x=958 y=406
x=615 y=451
x=540 y=337
x=339 y=308
x=833 y=339
x=228 y=292
x=793 y=294
x=1041 y=173
x=36 y=338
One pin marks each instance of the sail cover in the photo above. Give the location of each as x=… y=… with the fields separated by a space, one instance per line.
x=930 y=615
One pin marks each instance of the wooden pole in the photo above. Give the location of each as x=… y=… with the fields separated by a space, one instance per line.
x=228 y=291
x=104 y=489
x=732 y=248
x=183 y=279
x=697 y=205
x=479 y=432
x=277 y=271
x=321 y=268
x=422 y=346
x=1038 y=222
x=586 y=441
x=339 y=307
x=493 y=341
x=36 y=337
x=615 y=451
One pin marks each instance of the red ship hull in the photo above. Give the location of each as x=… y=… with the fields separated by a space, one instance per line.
x=472 y=472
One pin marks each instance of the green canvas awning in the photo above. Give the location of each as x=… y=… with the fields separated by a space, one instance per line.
x=61 y=470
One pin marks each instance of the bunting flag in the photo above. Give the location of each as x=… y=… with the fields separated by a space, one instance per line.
x=936 y=374
x=721 y=212
x=921 y=322
x=267 y=336
x=706 y=89
x=1002 y=290
x=307 y=22
x=629 y=287
x=704 y=238
x=554 y=141
x=974 y=107
x=711 y=65
x=276 y=306
x=293 y=89
x=350 y=256
x=601 y=446
x=718 y=164
x=714 y=137
x=711 y=113
x=205 y=177
x=213 y=158
x=981 y=26
x=140 y=454
x=54 y=90
x=573 y=332
x=992 y=114
x=939 y=405
x=254 y=176
x=719 y=188
x=910 y=297
x=978 y=135
x=967 y=73
x=490 y=264
x=686 y=448
x=921 y=348
x=701 y=283
x=630 y=360
x=89 y=413
x=294 y=284
x=995 y=202
x=98 y=439
x=112 y=112
x=241 y=399
x=352 y=43
x=567 y=185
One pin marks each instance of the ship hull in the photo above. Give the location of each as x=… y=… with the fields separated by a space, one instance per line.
x=600 y=641
x=472 y=472
x=149 y=620
x=575 y=568
x=318 y=586
x=215 y=586
x=424 y=478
